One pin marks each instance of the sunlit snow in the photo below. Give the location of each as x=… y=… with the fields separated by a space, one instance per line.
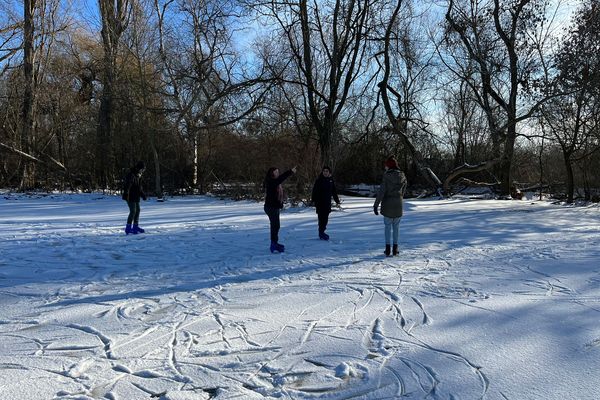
x=487 y=300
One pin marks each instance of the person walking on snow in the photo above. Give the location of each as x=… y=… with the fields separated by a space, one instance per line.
x=274 y=203
x=323 y=191
x=132 y=192
x=390 y=195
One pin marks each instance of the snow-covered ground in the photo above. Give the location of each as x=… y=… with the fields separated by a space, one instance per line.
x=487 y=300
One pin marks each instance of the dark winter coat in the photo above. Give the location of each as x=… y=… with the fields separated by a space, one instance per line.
x=391 y=193
x=322 y=193
x=132 y=188
x=274 y=191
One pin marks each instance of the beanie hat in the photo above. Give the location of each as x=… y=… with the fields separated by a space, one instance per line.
x=391 y=162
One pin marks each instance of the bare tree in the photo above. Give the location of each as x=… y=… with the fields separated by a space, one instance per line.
x=27 y=119
x=40 y=25
x=464 y=123
x=142 y=43
x=572 y=116
x=209 y=85
x=326 y=41
x=399 y=96
x=497 y=36
x=10 y=35
x=115 y=16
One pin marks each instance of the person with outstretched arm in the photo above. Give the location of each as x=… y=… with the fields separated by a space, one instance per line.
x=274 y=198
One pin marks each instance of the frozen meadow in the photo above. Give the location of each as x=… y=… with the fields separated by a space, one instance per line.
x=487 y=300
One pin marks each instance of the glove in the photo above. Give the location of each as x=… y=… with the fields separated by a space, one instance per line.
x=144 y=197
x=375 y=210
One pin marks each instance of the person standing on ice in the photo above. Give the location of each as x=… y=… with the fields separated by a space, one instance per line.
x=390 y=196
x=322 y=193
x=274 y=203
x=132 y=193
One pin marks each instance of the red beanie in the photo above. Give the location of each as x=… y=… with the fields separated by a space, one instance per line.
x=391 y=162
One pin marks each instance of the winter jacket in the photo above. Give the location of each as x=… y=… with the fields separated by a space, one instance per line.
x=323 y=191
x=274 y=191
x=132 y=188
x=391 y=193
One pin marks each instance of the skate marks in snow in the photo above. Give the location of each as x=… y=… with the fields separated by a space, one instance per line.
x=440 y=277
x=130 y=357
x=309 y=368
x=462 y=273
x=224 y=338
x=228 y=340
x=594 y=344
x=126 y=319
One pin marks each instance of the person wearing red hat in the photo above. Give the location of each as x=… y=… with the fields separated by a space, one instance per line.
x=390 y=196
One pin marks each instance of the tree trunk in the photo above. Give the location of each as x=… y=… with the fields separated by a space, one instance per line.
x=151 y=131
x=196 y=159
x=570 y=177
x=459 y=156
x=104 y=131
x=27 y=114
x=325 y=147
x=343 y=59
x=157 y=180
x=505 y=166
x=466 y=168
x=114 y=14
x=399 y=126
x=541 y=165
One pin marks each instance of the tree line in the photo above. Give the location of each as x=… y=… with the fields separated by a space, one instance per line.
x=211 y=93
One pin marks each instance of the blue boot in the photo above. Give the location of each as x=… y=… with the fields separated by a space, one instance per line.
x=137 y=229
x=276 y=247
x=128 y=229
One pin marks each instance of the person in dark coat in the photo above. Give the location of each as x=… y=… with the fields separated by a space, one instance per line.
x=274 y=203
x=322 y=193
x=390 y=196
x=132 y=193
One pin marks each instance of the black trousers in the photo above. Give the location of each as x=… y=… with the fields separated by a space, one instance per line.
x=273 y=214
x=134 y=212
x=323 y=220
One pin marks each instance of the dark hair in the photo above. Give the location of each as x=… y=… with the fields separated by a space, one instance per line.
x=140 y=166
x=268 y=176
x=325 y=167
